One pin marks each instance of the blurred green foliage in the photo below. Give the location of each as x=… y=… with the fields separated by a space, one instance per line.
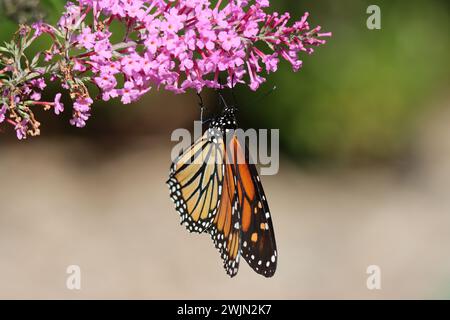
x=13 y=12
x=357 y=97
x=27 y=11
x=22 y=10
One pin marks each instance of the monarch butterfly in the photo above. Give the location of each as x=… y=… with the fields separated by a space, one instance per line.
x=217 y=189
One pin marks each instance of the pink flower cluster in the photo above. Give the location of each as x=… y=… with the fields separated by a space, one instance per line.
x=187 y=43
x=31 y=90
x=169 y=44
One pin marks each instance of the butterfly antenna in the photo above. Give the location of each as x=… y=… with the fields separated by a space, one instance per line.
x=232 y=91
x=202 y=106
x=219 y=91
x=222 y=99
x=265 y=95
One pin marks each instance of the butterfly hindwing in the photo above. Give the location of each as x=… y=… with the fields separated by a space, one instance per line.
x=225 y=230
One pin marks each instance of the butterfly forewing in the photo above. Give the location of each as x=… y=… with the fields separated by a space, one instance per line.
x=195 y=182
x=258 y=245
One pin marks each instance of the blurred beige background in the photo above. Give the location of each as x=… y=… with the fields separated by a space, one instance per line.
x=64 y=202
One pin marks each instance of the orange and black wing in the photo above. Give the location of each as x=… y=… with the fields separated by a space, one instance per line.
x=225 y=230
x=258 y=245
x=195 y=182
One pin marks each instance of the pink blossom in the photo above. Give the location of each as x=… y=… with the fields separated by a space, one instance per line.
x=81 y=111
x=78 y=65
x=109 y=93
x=152 y=43
x=114 y=7
x=186 y=63
x=39 y=83
x=105 y=81
x=291 y=57
x=255 y=79
x=36 y=96
x=86 y=38
x=48 y=56
x=58 y=107
x=230 y=40
x=173 y=21
x=37 y=26
x=271 y=62
x=26 y=90
x=3 y=113
x=21 y=129
x=129 y=93
x=263 y=3
x=102 y=49
x=131 y=64
x=70 y=16
x=133 y=8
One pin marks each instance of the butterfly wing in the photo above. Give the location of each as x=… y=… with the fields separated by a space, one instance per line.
x=221 y=193
x=225 y=230
x=258 y=239
x=195 y=182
